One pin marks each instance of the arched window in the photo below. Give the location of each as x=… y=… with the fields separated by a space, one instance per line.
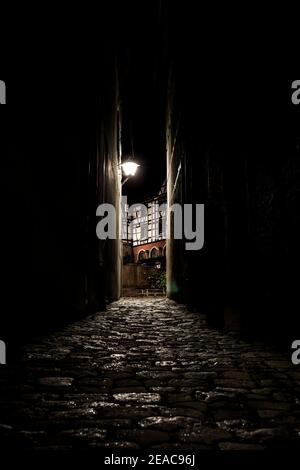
x=154 y=252
x=141 y=255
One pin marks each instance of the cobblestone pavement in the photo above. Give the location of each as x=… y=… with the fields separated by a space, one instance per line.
x=147 y=373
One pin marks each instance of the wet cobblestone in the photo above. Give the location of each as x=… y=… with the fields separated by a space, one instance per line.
x=147 y=373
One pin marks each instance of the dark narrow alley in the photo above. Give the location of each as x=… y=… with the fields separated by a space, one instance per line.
x=150 y=227
x=149 y=374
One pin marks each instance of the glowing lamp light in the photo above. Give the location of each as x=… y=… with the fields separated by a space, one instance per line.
x=130 y=168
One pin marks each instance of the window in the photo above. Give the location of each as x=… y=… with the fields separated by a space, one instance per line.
x=141 y=255
x=154 y=253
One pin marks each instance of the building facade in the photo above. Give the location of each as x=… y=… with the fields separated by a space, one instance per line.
x=144 y=231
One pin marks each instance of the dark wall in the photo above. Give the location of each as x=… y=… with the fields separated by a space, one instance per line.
x=233 y=144
x=59 y=161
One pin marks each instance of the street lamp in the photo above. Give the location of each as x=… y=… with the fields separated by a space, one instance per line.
x=129 y=168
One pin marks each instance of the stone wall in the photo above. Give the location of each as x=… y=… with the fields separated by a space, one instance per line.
x=59 y=163
x=135 y=277
x=244 y=165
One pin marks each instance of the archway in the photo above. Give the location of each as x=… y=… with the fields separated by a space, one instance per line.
x=154 y=252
